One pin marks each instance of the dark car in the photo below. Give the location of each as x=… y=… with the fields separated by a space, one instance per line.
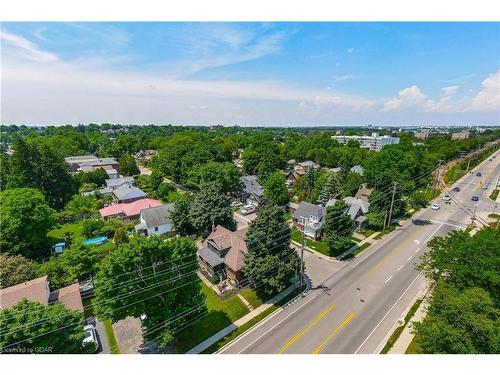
x=456 y=188
x=475 y=198
x=478 y=174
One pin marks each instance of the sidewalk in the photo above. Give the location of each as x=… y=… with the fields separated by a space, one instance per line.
x=404 y=340
x=238 y=323
x=371 y=240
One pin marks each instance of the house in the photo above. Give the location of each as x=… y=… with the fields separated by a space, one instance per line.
x=358 y=169
x=89 y=163
x=155 y=220
x=128 y=210
x=117 y=182
x=300 y=169
x=422 y=134
x=458 y=136
x=308 y=218
x=363 y=193
x=223 y=254
x=357 y=208
x=112 y=173
x=127 y=193
x=250 y=191
x=37 y=290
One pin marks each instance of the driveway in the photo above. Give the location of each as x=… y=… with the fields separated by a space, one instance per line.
x=102 y=337
x=128 y=333
x=243 y=221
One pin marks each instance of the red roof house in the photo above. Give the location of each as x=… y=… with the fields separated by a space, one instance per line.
x=128 y=210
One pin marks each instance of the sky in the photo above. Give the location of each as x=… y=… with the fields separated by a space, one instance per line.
x=251 y=74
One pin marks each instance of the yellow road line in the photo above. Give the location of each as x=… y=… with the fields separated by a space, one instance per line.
x=388 y=256
x=303 y=332
x=334 y=332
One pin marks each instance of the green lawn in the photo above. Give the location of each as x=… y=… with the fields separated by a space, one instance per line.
x=57 y=234
x=288 y=216
x=361 y=248
x=319 y=246
x=253 y=297
x=221 y=313
x=397 y=332
x=367 y=232
x=219 y=344
x=413 y=348
x=113 y=344
x=494 y=194
x=355 y=239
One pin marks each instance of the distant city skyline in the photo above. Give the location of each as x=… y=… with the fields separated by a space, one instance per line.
x=251 y=74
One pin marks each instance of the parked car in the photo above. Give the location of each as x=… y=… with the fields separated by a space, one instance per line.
x=248 y=209
x=475 y=198
x=447 y=197
x=486 y=185
x=236 y=204
x=478 y=174
x=90 y=337
x=456 y=188
x=436 y=206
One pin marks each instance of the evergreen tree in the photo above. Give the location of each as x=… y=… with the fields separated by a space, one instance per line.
x=270 y=261
x=331 y=189
x=275 y=189
x=180 y=217
x=337 y=221
x=128 y=166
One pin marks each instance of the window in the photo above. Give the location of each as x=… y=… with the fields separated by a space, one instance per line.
x=156 y=229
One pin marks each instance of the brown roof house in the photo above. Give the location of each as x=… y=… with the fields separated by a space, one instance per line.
x=37 y=290
x=223 y=254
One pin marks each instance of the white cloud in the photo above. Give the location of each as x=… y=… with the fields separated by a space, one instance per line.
x=350 y=50
x=345 y=77
x=408 y=97
x=450 y=90
x=22 y=48
x=489 y=97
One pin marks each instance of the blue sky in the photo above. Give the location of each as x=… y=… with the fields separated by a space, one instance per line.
x=251 y=73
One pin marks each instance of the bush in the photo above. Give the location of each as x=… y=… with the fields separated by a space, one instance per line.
x=215 y=279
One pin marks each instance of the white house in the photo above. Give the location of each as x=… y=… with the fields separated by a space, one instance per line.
x=155 y=220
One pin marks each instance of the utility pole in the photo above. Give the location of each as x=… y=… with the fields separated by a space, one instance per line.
x=385 y=220
x=392 y=202
x=474 y=217
x=302 y=259
x=468 y=164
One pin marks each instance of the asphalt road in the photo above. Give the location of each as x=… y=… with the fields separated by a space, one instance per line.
x=354 y=309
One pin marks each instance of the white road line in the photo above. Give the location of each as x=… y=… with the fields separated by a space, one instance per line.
x=388 y=312
x=401 y=266
x=390 y=277
x=410 y=257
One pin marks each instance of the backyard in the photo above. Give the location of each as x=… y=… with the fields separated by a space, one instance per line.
x=319 y=246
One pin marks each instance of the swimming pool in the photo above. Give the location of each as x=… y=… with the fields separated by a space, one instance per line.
x=96 y=241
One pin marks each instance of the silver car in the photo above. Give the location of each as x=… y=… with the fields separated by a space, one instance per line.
x=90 y=337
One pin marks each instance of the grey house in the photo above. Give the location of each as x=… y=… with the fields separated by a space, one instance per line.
x=128 y=193
x=155 y=220
x=250 y=191
x=308 y=218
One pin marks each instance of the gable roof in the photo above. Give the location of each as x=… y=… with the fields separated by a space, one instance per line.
x=129 y=209
x=115 y=182
x=356 y=205
x=307 y=209
x=35 y=290
x=69 y=296
x=128 y=192
x=157 y=216
x=222 y=238
x=251 y=186
x=364 y=193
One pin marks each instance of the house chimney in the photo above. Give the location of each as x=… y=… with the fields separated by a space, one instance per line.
x=213 y=227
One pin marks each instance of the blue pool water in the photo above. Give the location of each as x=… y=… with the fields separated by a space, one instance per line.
x=96 y=241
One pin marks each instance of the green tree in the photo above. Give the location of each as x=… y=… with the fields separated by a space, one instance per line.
x=156 y=178
x=310 y=180
x=270 y=261
x=225 y=174
x=337 y=221
x=163 y=190
x=210 y=207
x=128 y=166
x=338 y=244
x=26 y=219
x=120 y=236
x=151 y=276
x=41 y=167
x=82 y=206
x=97 y=177
x=331 y=189
x=15 y=270
x=459 y=322
x=181 y=218
x=28 y=326
x=275 y=189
